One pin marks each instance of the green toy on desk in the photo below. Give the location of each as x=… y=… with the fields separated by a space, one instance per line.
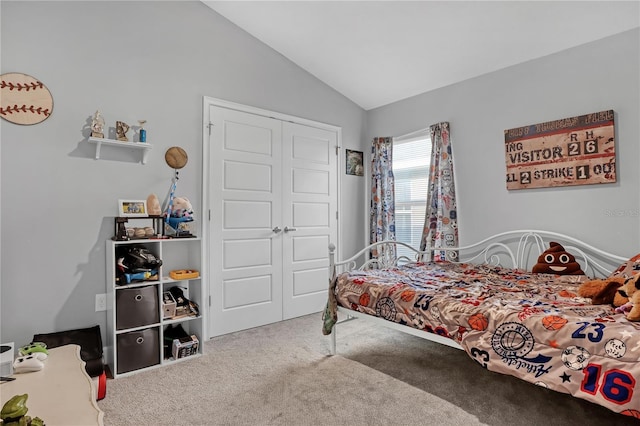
x=33 y=347
x=14 y=412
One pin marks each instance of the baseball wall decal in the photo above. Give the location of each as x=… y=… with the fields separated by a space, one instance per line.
x=24 y=99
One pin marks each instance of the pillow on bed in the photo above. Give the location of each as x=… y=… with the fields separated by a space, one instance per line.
x=556 y=260
x=628 y=269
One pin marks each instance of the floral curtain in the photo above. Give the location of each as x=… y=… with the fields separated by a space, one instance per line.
x=382 y=222
x=441 y=220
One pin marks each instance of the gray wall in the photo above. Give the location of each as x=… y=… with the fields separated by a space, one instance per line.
x=131 y=60
x=597 y=76
x=156 y=60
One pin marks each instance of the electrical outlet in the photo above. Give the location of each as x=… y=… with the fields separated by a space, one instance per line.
x=101 y=302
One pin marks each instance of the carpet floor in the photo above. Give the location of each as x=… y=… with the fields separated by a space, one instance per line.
x=282 y=374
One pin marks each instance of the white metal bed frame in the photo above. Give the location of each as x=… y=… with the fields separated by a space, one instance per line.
x=492 y=250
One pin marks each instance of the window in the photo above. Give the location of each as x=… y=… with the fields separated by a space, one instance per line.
x=411 y=160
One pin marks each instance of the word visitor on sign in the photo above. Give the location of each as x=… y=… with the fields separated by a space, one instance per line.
x=572 y=151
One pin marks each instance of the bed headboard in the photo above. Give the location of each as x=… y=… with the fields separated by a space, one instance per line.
x=514 y=249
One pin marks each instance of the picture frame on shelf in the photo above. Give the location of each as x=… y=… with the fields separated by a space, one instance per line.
x=132 y=208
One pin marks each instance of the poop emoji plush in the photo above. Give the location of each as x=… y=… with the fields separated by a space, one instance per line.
x=631 y=290
x=604 y=292
x=556 y=260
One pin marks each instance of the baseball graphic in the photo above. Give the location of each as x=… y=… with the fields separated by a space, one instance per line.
x=615 y=348
x=24 y=99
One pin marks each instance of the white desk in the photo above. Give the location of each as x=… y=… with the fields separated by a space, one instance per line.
x=62 y=393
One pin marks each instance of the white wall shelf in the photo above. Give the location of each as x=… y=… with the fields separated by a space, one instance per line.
x=145 y=147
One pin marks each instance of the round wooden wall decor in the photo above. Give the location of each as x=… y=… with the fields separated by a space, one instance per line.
x=24 y=99
x=176 y=157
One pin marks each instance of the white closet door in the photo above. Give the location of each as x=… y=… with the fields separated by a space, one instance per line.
x=245 y=181
x=309 y=203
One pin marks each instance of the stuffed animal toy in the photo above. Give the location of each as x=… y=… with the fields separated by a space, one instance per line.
x=181 y=213
x=631 y=290
x=181 y=207
x=556 y=260
x=603 y=292
x=624 y=308
x=620 y=298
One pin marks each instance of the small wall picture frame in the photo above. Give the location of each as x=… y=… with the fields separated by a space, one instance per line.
x=354 y=162
x=132 y=208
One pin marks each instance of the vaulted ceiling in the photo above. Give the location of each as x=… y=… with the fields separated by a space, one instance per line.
x=379 y=52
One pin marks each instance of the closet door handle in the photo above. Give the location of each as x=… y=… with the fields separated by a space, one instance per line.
x=276 y=230
x=287 y=229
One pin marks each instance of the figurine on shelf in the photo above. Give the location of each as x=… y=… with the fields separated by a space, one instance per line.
x=121 y=131
x=143 y=132
x=153 y=205
x=121 y=229
x=97 y=126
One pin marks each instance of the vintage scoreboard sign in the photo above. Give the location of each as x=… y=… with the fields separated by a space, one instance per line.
x=572 y=151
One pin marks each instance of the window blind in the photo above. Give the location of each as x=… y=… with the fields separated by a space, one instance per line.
x=411 y=161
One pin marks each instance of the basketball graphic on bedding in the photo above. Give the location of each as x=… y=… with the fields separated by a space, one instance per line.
x=478 y=322
x=553 y=322
x=556 y=260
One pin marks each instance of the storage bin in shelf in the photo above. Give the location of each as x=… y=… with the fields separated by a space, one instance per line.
x=145 y=147
x=132 y=326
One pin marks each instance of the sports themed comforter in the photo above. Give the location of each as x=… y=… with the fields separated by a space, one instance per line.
x=532 y=326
